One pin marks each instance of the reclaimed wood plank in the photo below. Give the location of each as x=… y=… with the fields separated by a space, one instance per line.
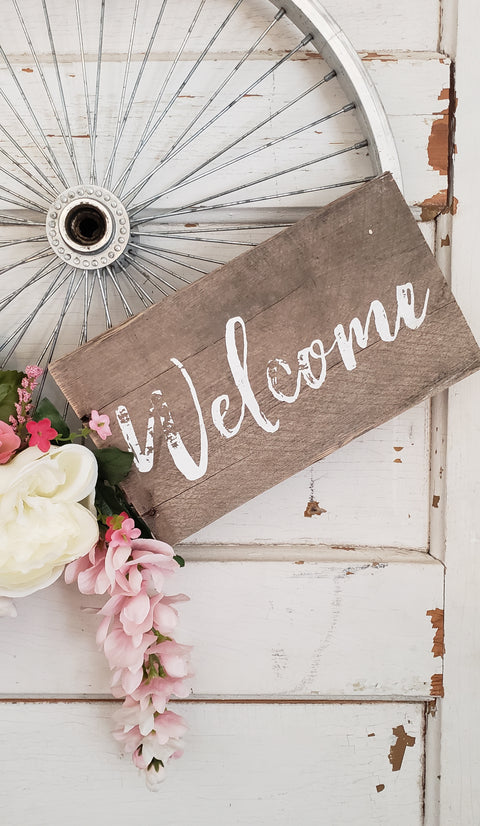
x=325 y=623
x=251 y=763
x=278 y=298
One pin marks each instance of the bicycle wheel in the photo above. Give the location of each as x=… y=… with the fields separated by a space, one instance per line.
x=144 y=144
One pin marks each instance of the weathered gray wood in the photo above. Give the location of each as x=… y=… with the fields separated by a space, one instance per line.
x=293 y=289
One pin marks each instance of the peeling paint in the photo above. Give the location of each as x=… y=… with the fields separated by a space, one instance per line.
x=380 y=787
x=436 y=618
x=432 y=207
x=371 y=735
x=397 y=751
x=398 y=449
x=397 y=461
x=300 y=562
x=445 y=242
x=436 y=689
x=383 y=57
x=27 y=70
x=313 y=509
x=435 y=501
x=73 y=136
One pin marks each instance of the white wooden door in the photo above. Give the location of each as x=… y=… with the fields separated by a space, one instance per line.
x=318 y=638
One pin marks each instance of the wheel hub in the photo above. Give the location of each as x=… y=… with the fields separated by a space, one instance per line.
x=88 y=227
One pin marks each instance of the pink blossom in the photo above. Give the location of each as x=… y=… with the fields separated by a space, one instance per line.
x=125 y=533
x=89 y=571
x=114 y=522
x=32 y=371
x=9 y=442
x=125 y=681
x=174 y=657
x=124 y=651
x=158 y=691
x=41 y=434
x=135 y=613
x=100 y=424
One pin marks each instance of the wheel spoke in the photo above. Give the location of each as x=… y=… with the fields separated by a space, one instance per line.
x=119 y=130
x=172 y=260
x=141 y=143
x=19 y=201
x=146 y=268
x=54 y=335
x=189 y=179
x=180 y=89
x=47 y=269
x=108 y=173
x=193 y=206
x=32 y=138
x=132 y=194
x=158 y=251
x=42 y=78
x=176 y=236
x=84 y=74
x=32 y=240
x=24 y=326
x=103 y=292
x=260 y=198
x=93 y=162
x=128 y=310
x=51 y=159
x=7 y=221
x=67 y=135
x=39 y=186
x=34 y=257
x=222 y=85
x=144 y=297
x=22 y=183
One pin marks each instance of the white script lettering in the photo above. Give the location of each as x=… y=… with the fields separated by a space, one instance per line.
x=277 y=370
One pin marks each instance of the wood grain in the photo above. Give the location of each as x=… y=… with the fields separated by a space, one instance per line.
x=290 y=290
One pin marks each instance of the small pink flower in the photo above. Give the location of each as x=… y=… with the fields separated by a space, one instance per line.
x=126 y=533
x=9 y=442
x=32 y=371
x=114 y=522
x=100 y=424
x=41 y=434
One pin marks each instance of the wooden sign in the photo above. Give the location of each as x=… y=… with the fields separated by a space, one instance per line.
x=275 y=360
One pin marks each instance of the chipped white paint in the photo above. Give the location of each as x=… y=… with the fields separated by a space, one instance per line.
x=244 y=764
x=265 y=763
x=375 y=491
x=350 y=624
x=460 y=750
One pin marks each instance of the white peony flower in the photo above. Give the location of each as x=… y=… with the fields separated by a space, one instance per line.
x=47 y=515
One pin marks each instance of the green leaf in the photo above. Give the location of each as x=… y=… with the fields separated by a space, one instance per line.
x=107 y=500
x=10 y=381
x=47 y=410
x=179 y=560
x=113 y=463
